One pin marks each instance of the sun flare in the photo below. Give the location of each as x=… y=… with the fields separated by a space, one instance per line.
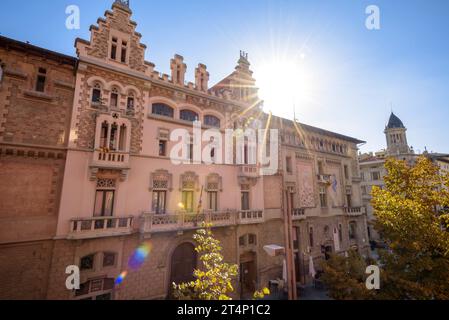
x=282 y=84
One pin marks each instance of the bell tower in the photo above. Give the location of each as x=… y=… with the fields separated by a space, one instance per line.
x=396 y=136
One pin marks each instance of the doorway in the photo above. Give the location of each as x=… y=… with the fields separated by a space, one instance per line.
x=183 y=263
x=248 y=274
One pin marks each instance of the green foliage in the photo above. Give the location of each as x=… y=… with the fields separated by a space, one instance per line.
x=345 y=277
x=411 y=219
x=214 y=280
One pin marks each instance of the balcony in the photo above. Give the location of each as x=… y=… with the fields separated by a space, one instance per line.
x=110 y=159
x=250 y=217
x=324 y=178
x=157 y=223
x=100 y=227
x=299 y=214
x=355 y=211
x=248 y=171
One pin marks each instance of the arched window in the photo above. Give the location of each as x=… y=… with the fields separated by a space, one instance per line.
x=96 y=93
x=130 y=102
x=104 y=135
x=163 y=110
x=114 y=98
x=188 y=115
x=212 y=121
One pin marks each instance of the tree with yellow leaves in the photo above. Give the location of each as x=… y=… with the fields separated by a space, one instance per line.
x=214 y=280
x=411 y=215
x=413 y=218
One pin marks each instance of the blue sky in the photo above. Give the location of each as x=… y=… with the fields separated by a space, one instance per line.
x=354 y=76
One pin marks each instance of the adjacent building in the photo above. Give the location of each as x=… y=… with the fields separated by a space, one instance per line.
x=36 y=99
x=92 y=174
x=372 y=165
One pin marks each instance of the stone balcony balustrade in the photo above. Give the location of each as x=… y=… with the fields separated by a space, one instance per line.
x=99 y=227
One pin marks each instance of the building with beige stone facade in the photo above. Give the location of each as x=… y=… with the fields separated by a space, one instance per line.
x=372 y=165
x=121 y=187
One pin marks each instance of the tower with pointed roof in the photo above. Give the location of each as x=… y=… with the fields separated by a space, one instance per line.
x=395 y=133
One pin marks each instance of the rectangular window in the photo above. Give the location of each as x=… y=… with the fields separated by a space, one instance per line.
x=187 y=200
x=311 y=242
x=245 y=201
x=130 y=103
x=340 y=233
x=114 y=100
x=320 y=167
x=375 y=176
x=159 y=202
x=323 y=197
x=162 y=148
x=346 y=172
x=289 y=165
x=96 y=95
x=40 y=82
x=349 y=200
x=114 y=49
x=124 y=49
x=352 y=231
x=104 y=203
x=212 y=197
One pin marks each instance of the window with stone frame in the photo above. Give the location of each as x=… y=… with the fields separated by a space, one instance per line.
x=96 y=93
x=340 y=233
x=163 y=137
x=124 y=52
x=104 y=201
x=114 y=48
x=41 y=80
x=109 y=259
x=212 y=121
x=114 y=101
x=189 y=115
x=311 y=240
x=161 y=109
x=130 y=102
x=213 y=188
x=245 y=198
x=323 y=197
x=87 y=262
x=160 y=187
x=353 y=230
x=189 y=185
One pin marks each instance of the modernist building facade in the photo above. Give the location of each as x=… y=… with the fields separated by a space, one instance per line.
x=121 y=189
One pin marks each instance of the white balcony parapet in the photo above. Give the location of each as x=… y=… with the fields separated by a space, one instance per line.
x=299 y=214
x=100 y=227
x=156 y=223
x=110 y=159
x=354 y=211
x=248 y=171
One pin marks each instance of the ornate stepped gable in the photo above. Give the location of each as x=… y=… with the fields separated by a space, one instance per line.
x=116 y=26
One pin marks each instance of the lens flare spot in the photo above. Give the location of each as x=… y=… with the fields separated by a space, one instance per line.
x=121 y=278
x=139 y=256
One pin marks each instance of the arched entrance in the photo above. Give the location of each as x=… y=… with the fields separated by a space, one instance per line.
x=183 y=262
x=248 y=274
